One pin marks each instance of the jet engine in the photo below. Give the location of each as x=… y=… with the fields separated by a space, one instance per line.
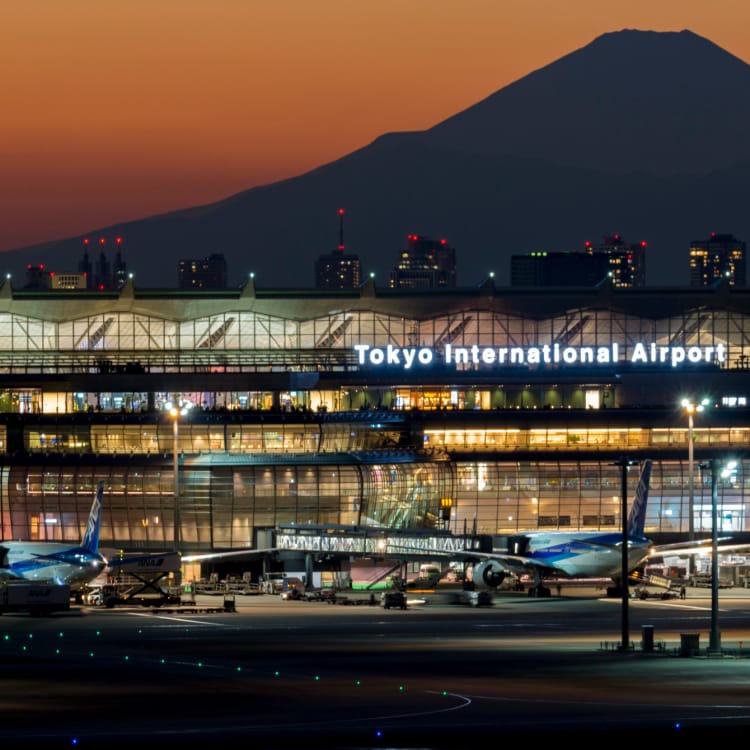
x=489 y=573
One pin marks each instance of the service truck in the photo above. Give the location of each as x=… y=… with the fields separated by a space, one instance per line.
x=34 y=598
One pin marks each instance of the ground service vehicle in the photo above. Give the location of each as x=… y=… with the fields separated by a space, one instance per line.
x=290 y=587
x=393 y=599
x=113 y=597
x=34 y=598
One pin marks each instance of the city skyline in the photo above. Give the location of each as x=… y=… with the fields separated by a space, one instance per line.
x=424 y=263
x=115 y=114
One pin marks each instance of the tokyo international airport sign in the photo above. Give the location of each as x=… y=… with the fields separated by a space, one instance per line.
x=557 y=355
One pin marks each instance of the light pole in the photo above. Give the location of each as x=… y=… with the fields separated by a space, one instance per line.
x=691 y=408
x=624 y=464
x=714 y=638
x=174 y=413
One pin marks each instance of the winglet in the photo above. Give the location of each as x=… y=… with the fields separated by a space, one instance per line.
x=90 y=540
x=637 y=518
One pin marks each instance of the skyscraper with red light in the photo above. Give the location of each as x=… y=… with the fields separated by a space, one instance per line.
x=627 y=261
x=338 y=269
x=425 y=264
x=105 y=273
x=721 y=256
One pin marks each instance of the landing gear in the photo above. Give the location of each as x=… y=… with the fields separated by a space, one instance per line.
x=538 y=589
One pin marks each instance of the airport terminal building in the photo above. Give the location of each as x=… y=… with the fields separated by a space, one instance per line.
x=484 y=410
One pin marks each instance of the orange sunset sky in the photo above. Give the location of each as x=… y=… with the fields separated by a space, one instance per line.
x=113 y=111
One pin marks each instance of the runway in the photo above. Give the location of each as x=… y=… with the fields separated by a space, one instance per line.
x=307 y=674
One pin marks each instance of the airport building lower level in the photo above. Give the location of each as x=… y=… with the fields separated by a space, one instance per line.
x=482 y=411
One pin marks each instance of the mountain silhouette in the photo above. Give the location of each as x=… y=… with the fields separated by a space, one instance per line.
x=639 y=133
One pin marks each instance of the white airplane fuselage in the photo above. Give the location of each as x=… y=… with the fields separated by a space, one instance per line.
x=562 y=554
x=50 y=561
x=585 y=555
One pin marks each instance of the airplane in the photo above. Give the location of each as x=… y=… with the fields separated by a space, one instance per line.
x=57 y=562
x=570 y=554
x=583 y=554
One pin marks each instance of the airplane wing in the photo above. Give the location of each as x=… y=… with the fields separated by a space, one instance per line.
x=171 y=561
x=246 y=552
x=701 y=547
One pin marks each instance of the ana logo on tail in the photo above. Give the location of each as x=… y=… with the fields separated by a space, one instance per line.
x=91 y=537
x=637 y=519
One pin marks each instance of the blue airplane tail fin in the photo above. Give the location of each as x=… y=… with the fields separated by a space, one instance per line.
x=637 y=517
x=91 y=537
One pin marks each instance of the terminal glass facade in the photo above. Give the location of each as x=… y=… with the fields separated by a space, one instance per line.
x=484 y=410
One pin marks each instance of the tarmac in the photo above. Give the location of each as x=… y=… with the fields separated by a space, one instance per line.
x=274 y=674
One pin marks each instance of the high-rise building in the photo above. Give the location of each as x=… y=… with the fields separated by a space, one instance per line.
x=626 y=261
x=84 y=266
x=339 y=269
x=67 y=280
x=106 y=274
x=624 y=264
x=425 y=264
x=558 y=269
x=37 y=277
x=721 y=256
x=204 y=273
x=103 y=275
x=119 y=267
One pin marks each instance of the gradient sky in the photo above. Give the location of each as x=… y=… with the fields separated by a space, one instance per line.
x=114 y=111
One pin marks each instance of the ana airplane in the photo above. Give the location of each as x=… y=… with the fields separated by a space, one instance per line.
x=582 y=554
x=57 y=562
x=569 y=554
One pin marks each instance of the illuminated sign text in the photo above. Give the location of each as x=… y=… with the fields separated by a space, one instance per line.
x=639 y=353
